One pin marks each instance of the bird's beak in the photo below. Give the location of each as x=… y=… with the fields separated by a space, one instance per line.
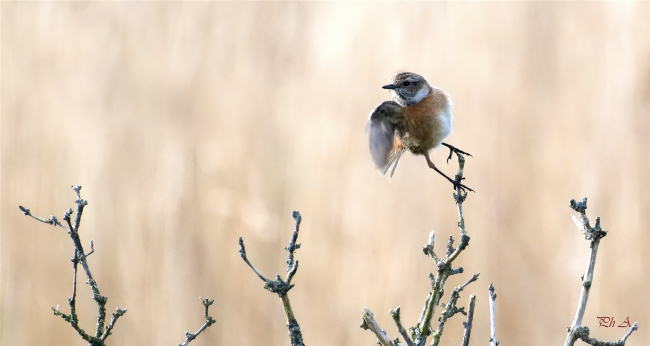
x=389 y=86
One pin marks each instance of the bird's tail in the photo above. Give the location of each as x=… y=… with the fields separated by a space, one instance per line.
x=393 y=161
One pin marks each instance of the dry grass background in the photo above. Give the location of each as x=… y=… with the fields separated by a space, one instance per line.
x=191 y=124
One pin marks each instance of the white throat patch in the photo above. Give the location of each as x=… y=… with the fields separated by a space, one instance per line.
x=424 y=92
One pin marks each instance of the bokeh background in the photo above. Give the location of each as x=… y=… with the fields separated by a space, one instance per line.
x=191 y=124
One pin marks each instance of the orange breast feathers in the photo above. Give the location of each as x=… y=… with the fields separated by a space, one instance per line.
x=428 y=122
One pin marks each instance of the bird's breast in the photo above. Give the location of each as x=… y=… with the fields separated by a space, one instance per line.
x=428 y=122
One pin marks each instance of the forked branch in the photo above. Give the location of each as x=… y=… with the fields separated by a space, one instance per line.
x=102 y=331
x=80 y=256
x=593 y=235
x=209 y=321
x=422 y=330
x=282 y=287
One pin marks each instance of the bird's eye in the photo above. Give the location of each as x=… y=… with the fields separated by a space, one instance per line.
x=407 y=83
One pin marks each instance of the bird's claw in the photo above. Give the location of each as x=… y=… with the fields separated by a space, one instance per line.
x=456 y=182
x=453 y=149
x=463 y=188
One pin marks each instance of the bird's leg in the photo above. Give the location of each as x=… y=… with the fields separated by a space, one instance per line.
x=456 y=183
x=453 y=149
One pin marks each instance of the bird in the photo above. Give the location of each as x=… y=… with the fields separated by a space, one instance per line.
x=418 y=119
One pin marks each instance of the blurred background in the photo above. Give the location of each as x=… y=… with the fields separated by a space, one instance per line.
x=192 y=124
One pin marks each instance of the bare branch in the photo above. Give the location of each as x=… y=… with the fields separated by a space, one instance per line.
x=428 y=249
x=370 y=323
x=51 y=221
x=242 y=252
x=293 y=246
x=81 y=203
x=424 y=310
x=460 y=195
x=444 y=267
x=292 y=271
x=209 y=321
x=583 y=334
x=593 y=235
x=468 y=321
x=493 y=328
x=117 y=314
x=422 y=330
x=398 y=321
x=92 y=249
x=101 y=333
x=280 y=287
x=451 y=309
x=74 y=323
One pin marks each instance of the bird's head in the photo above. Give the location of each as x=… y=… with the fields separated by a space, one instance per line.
x=408 y=88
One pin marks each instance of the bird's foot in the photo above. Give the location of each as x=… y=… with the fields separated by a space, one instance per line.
x=460 y=188
x=453 y=149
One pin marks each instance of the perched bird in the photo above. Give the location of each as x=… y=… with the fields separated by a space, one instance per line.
x=419 y=119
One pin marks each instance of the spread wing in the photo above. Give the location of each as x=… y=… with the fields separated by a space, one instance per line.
x=384 y=148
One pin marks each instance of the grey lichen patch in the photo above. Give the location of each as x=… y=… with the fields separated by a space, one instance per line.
x=278 y=286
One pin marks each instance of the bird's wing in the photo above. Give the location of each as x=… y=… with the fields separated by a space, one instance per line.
x=381 y=127
x=393 y=158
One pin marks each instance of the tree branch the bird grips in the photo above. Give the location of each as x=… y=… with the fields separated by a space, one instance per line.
x=423 y=329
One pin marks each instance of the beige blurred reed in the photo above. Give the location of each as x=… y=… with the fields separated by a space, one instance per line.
x=191 y=124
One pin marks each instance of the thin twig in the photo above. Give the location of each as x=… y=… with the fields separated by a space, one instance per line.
x=75 y=261
x=92 y=249
x=422 y=330
x=436 y=294
x=460 y=195
x=292 y=271
x=209 y=321
x=101 y=332
x=280 y=287
x=634 y=327
x=51 y=221
x=424 y=310
x=74 y=323
x=117 y=314
x=292 y=247
x=583 y=334
x=73 y=318
x=398 y=322
x=593 y=235
x=370 y=323
x=242 y=253
x=81 y=203
x=451 y=309
x=444 y=266
x=468 y=321
x=72 y=301
x=428 y=249
x=586 y=284
x=493 y=327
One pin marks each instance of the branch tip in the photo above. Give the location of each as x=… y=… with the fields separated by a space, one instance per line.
x=296 y=216
x=24 y=210
x=209 y=321
x=493 y=329
x=580 y=207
